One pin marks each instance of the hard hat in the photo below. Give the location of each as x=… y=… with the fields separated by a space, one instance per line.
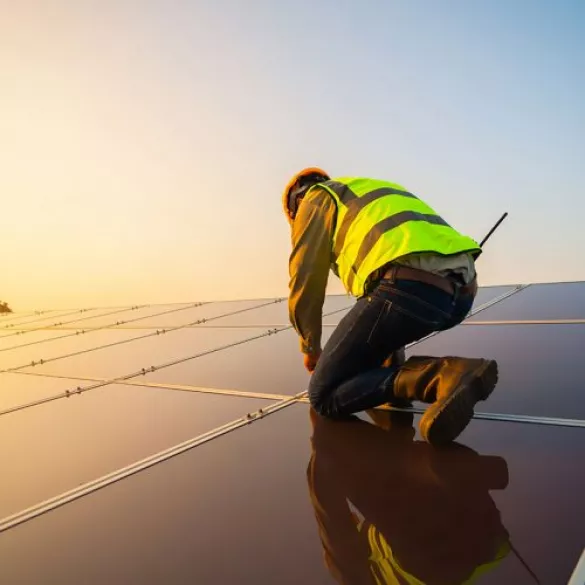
x=291 y=193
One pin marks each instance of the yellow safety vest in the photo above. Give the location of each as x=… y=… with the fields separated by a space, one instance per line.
x=378 y=222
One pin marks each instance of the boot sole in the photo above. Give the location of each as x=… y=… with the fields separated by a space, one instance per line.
x=443 y=422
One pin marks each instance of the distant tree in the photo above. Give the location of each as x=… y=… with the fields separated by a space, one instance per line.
x=4 y=308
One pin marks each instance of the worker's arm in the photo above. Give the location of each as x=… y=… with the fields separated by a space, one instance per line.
x=309 y=264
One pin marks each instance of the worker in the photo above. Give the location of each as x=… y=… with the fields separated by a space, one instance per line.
x=411 y=273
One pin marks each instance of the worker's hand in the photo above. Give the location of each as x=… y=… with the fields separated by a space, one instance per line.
x=310 y=360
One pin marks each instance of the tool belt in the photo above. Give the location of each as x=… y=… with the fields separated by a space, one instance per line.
x=393 y=272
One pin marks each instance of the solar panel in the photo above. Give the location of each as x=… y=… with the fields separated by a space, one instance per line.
x=55 y=447
x=57 y=347
x=490 y=293
x=151 y=438
x=540 y=366
x=18 y=389
x=128 y=316
x=113 y=353
x=264 y=493
x=29 y=338
x=274 y=313
x=270 y=364
x=40 y=319
x=73 y=320
x=541 y=302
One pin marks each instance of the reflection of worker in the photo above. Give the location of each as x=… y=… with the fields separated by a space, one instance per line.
x=391 y=510
x=412 y=274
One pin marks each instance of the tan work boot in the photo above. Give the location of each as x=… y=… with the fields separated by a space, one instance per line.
x=451 y=385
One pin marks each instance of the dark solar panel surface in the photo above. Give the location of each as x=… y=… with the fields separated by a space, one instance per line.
x=55 y=447
x=287 y=499
x=268 y=364
x=541 y=367
x=146 y=350
x=564 y=300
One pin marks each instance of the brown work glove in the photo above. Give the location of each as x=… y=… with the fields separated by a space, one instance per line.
x=310 y=360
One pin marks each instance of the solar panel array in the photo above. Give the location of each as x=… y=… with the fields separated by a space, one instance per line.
x=142 y=444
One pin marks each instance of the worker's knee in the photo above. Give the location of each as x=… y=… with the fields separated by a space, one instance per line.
x=318 y=398
x=323 y=408
x=322 y=401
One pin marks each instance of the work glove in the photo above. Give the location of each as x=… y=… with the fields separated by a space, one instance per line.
x=310 y=360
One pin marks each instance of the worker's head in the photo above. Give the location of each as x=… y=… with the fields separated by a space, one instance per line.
x=298 y=186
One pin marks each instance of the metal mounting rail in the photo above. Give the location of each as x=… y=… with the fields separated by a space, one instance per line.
x=495 y=416
x=302 y=397
x=49 y=314
x=278 y=325
x=468 y=323
x=74 y=320
x=179 y=387
x=528 y=322
x=6 y=317
x=578 y=576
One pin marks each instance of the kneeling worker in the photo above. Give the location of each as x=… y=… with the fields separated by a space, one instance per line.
x=411 y=273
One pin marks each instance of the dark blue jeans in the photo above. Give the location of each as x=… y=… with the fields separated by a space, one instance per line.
x=349 y=376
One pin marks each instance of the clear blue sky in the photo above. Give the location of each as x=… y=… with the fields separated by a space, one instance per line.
x=148 y=142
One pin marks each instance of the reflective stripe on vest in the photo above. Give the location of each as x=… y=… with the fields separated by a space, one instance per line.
x=378 y=222
x=387 y=570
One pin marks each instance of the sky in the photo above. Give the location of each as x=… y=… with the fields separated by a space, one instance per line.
x=145 y=145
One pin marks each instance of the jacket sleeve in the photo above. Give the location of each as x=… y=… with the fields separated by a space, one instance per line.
x=309 y=264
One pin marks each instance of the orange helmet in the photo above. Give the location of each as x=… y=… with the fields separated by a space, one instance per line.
x=297 y=187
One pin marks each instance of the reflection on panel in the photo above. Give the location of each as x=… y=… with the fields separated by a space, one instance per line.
x=541 y=301
x=16 y=389
x=541 y=367
x=325 y=484
x=474 y=501
x=55 y=447
x=272 y=365
x=154 y=350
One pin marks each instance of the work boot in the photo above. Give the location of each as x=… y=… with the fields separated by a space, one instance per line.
x=451 y=385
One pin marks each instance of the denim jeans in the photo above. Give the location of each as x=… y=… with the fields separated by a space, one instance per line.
x=349 y=376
